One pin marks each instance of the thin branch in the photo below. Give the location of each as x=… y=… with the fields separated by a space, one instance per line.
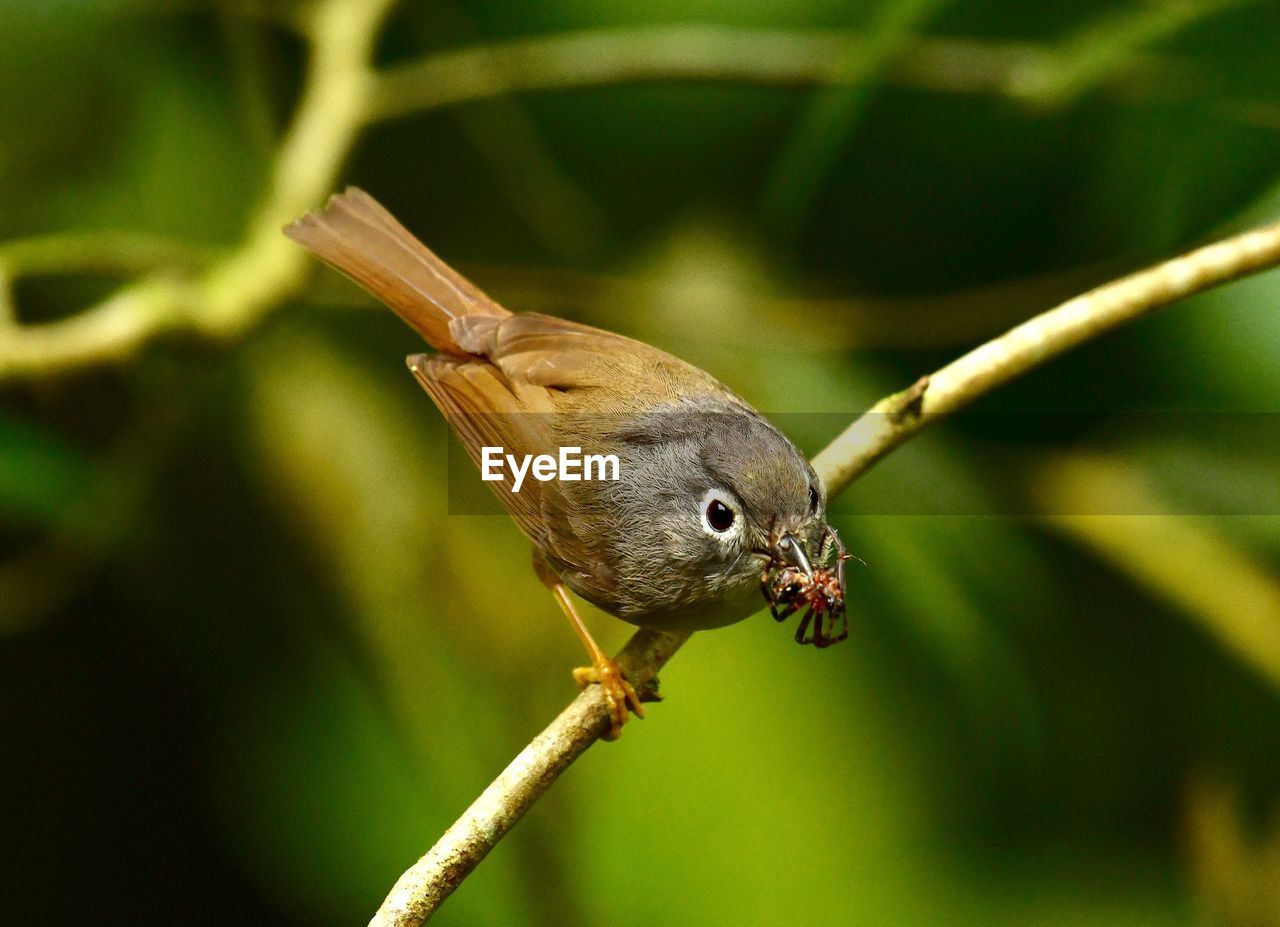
x=895 y=419
x=425 y=886
x=111 y=252
x=328 y=119
x=265 y=267
x=1036 y=74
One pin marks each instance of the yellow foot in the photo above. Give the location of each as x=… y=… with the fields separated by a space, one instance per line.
x=618 y=693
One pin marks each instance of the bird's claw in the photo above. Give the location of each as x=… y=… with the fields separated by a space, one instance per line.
x=619 y=694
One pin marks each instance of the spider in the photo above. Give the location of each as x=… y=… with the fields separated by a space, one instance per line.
x=820 y=593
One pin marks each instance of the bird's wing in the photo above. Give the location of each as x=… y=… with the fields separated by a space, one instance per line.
x=487 y=410
x=582 y=364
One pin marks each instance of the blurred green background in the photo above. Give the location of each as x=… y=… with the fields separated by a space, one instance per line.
x=251 y=667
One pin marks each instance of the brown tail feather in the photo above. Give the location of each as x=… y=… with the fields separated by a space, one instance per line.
x=355 y=234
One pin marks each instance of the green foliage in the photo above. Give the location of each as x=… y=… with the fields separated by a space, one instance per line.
x=251 y=666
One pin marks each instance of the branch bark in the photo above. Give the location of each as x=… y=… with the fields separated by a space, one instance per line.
x=423 y=888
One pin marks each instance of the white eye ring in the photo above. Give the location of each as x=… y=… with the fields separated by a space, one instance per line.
x=714 y=504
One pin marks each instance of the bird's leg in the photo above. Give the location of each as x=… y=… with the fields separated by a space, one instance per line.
x=618 y=693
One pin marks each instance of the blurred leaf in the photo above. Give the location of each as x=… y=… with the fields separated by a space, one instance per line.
x=168 y=157
x=1237 y=871
x=42 y=479
x=826 y=123
x=1223 y=345
x=755 y=781
x=1234 y=598
x=324 y=805
x=1113 y=42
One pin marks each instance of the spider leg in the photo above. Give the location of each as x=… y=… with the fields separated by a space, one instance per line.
x=842 y=615
x=789 y=609
x=804 y=626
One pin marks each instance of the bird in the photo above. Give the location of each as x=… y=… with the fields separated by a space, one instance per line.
x=710 y=495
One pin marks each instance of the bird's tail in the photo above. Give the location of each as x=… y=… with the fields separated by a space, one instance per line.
x=355 y=234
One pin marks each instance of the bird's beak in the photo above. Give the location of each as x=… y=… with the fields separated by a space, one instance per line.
x=790 y=550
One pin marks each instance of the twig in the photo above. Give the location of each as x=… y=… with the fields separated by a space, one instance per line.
x=115 y=253
x=1046 y=336
x=425 y=886
x=265 y=267
x=596 y=57
x=1038 y=74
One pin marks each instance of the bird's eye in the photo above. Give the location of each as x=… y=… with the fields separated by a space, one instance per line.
x=814 y=498
x=718 y=515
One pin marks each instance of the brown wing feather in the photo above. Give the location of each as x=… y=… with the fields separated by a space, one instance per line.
x=484 y=411
x=593 y=363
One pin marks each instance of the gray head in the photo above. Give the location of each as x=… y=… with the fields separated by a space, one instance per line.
x=711 y=493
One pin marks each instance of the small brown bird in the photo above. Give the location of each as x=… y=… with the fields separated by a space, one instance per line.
x=711 y=499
